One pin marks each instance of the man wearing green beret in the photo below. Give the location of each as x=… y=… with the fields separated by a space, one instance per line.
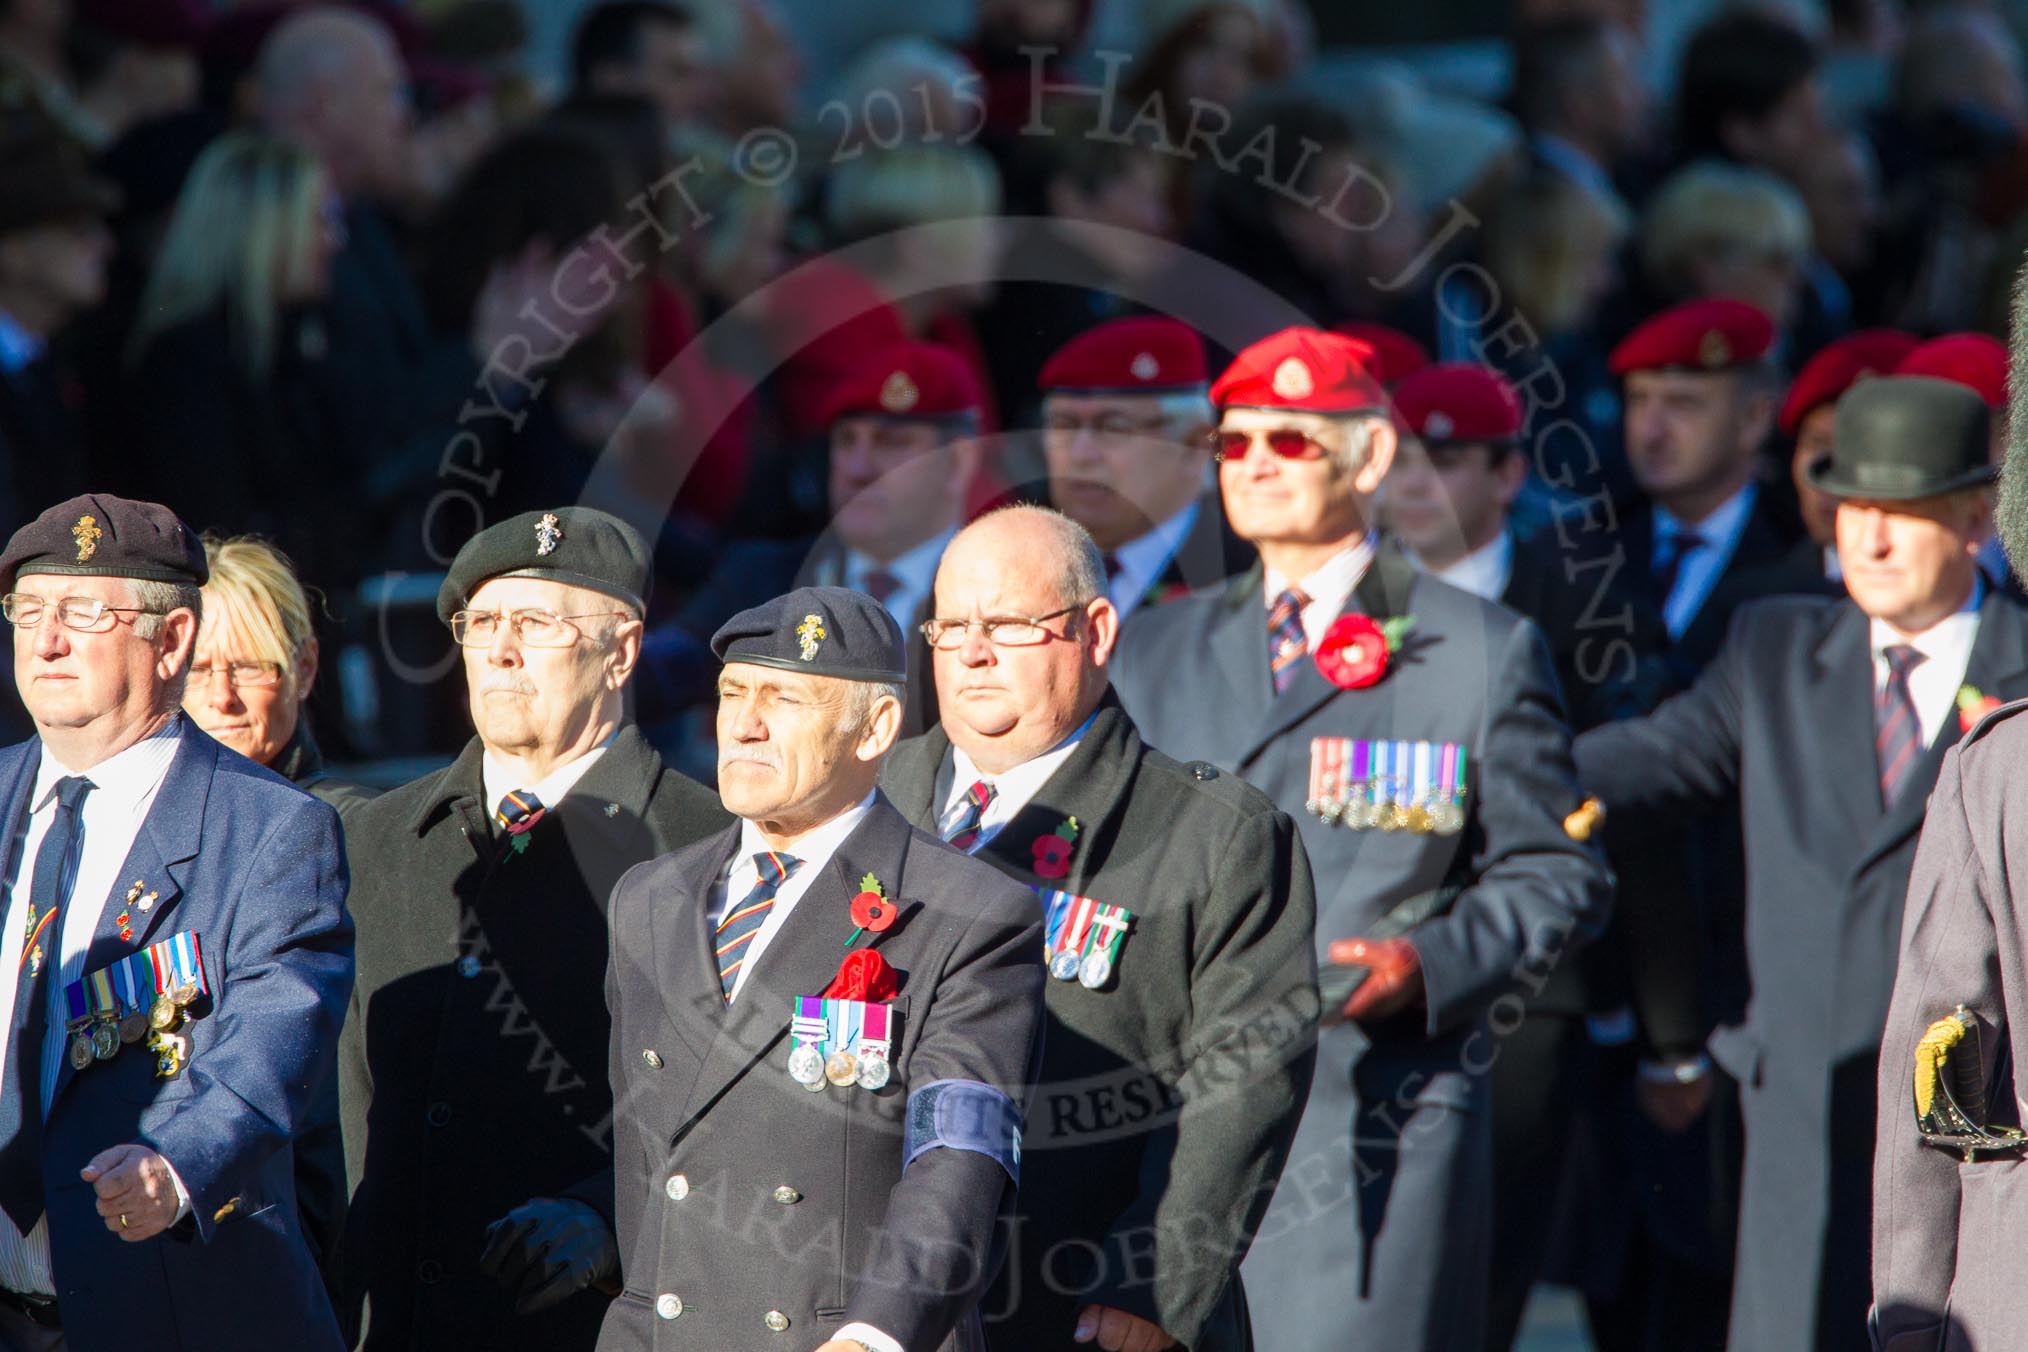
x=473 y=1071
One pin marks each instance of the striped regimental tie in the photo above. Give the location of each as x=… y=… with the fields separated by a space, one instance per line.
x=1287 y=644
x=518 y=811
x=1897 y=732
x=743 y=921
x=964 y=834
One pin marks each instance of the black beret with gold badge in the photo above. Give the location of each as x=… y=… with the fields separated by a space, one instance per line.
x=826 y=631
x=99 y=535
x=578 y=546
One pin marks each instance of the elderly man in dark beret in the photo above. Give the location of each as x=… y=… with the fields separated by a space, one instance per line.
x=158 y=889
x=826 y=1027
x=473 y=1065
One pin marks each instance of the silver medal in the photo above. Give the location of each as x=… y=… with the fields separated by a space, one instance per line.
x=1095 y=970
x=806 y=1066
x=873 y=1070
x=1063 y=965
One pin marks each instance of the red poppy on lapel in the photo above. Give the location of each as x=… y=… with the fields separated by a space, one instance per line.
x=1052 y=852
x=1973 y=706
x=872 y=912
x=1356 y=649
x=863 y=975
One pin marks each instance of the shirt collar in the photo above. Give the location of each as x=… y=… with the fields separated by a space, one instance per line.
x=915 y=569
x=1483 y=572
x=549 y=790
x=18 y=347
x=1144 y=555
x=1720 y=530
x=1949 y=634
x=813 y=850
x=1333 y=582
x=1024 y=779
x=122 y=779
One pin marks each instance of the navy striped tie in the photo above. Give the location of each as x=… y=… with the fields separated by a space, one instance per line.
x=735 y=933
x=1287 y=643
x=1897 y=734
x=964 y=834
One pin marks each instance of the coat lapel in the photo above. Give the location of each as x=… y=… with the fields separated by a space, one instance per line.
x=1839 y=699
x=1091 y=785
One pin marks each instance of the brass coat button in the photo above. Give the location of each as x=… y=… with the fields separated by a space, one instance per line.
x=776 y=1321
x=787 y=1195
x=678 y=1187
x=668 y=1305
x=652 y=1057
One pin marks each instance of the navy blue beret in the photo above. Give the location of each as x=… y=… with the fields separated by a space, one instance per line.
x=827 y=631
x=580 y=546
x=99 y=535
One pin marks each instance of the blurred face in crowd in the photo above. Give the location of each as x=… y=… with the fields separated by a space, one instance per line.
x=1841 y=190
x=1691 y=436
x=769 y=66
x=1770 y=280
x=1446 y=501
x=895 y=483
x=1613 y=107
x=102 y=688
x=1787 y=136
x=796 y=749
x=1136 y=199
x=1121 y=464
x=1321 y=498
x=1912 y=563
x=1813 y=443
x=368 y=115
x=246 y=701
x=1006 y=704
x=53 y=272
x=671 y=68
x=1220 y=64
x=548 y=704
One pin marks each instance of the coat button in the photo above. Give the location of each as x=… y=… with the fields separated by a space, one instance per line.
x=468 y=966
x=787 y=1195
x=430 y=1272
x=652 y=1057
x=678 y=1187
x=776 y=1321
x=1200 y=771
x=440 y=1113
x=668 y=1305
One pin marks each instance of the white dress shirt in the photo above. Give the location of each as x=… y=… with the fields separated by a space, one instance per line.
x=1700 y=570
x=1329 y=589
x=123 y=790
x=815 y=851
x=915 y=571
x=499 y=781
x=1012 y=790
x=1485 y=571
x=1946 y=647
x=1143 y=558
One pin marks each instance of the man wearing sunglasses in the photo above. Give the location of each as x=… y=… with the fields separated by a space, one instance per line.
x=1415 y=734
x=145 y=1188
x=473 y=1067
x=1178 y=1046
x=1126 y=434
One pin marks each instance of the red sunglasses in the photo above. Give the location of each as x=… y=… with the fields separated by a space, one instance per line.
x=1285 y=442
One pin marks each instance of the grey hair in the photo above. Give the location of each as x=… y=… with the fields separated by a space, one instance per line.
x=863 y=696
x=157 y=599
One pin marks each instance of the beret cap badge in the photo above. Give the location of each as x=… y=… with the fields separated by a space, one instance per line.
x=898 y=394
x=548 y=534
x=1144 y=366
x=1713 y=351
x=1438 y=424
x=87 y=533
x=1292 y=379
x=809 y=634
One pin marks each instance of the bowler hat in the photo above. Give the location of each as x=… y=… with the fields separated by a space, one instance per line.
x=1896 y=438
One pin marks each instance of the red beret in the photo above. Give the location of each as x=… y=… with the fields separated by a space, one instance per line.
x=925 y=382
x=1699 y=335
x=1150 y=355
x=1870 y=352
x=1305 y=369
x=1457 y=402
x=1395 y=354
x=1973 y=360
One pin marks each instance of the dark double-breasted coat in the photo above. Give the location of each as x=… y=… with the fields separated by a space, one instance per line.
x=1377 y=1236
x=752 y=1213
x=1783 y=718
x=1169 y=1094
x=473 y=1064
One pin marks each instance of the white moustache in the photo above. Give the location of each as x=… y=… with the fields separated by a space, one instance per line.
x=510 y=687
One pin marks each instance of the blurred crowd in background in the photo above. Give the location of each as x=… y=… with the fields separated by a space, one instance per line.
x=305 y=271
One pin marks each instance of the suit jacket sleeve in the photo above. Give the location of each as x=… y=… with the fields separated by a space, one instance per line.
x=1244 y=1078
x=1534 y=893
x=933 y=1253
x=1948 y=958
x=287 y=974
x=1684 y=757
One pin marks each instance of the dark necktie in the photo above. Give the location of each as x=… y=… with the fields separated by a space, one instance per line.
x=1897 y=732
x=1287 y=644
x=518 y=812
x=735 y=933
x=1669 y=563
x=21 y=1094
x=965 y=834
x=880 y=584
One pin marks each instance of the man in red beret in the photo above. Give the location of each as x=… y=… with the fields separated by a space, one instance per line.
x=1414 y=732
x=1126 y=431
x=1395 y=354
x=903 y=422
x=1807 y=418
x=1700 y=399
x=1979 y=363
x=1460 y=466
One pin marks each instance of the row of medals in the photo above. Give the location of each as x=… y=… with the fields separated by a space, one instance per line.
x=98 y=1037
x=813 y=1070
x=1438 y=817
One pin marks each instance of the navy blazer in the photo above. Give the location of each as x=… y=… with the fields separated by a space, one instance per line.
x=253 y=865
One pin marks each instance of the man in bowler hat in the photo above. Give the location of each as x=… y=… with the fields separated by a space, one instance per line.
x=1828 y=719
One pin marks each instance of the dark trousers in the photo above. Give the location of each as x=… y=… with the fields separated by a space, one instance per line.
x=1534 y=1105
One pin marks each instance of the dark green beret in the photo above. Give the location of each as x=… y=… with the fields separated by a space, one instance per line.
x=580 y=546
x=99 y=535
x=827 y=631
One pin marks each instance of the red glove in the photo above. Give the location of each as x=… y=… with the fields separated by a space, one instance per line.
x=1395 y=975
